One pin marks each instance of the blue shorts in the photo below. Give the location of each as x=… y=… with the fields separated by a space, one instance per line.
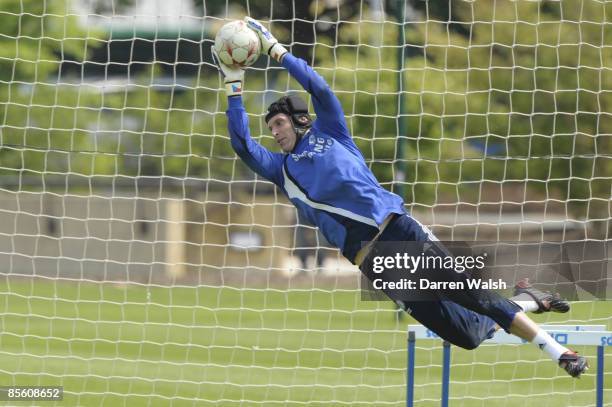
x=462 y=317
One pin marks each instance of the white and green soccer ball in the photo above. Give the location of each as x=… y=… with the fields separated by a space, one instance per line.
x=237 y=45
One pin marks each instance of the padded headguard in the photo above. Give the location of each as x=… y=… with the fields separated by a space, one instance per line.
x=294 y=107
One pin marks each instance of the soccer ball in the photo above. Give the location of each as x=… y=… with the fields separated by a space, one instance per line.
x=237 y=45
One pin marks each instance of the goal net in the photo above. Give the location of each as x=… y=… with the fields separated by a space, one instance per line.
x=142 y=263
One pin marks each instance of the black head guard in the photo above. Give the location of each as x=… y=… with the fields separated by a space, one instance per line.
x=294 y=107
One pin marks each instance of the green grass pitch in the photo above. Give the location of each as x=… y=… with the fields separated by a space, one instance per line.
x=111 y=345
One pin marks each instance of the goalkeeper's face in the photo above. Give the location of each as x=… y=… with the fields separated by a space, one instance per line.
x=283 y=132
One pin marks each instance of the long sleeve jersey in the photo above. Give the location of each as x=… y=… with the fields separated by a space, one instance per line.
x=325 y=176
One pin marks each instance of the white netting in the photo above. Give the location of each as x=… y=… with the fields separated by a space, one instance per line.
x=144 y=264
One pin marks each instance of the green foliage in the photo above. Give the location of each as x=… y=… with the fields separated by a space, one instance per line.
x=527 y=82
x=174 y=132
x=31 y=33
x=43 y=123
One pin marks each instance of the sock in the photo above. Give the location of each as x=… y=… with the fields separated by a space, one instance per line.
x=527 y=306
x=525 y=301
x=546 y=342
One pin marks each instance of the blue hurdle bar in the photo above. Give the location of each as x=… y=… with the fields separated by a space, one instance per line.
x=410 y=370
x=445 y=373
x=600 y=375
x=566 y=334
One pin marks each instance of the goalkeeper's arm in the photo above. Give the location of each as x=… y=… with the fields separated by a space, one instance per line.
x=330 y=116
x=258 y=158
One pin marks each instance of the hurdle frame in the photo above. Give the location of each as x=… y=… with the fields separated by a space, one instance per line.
x=589 y=335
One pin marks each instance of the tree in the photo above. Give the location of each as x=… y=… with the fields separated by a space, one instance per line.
x=300 y=24
x=508 y=92
x=529 y=78
x=44 y=124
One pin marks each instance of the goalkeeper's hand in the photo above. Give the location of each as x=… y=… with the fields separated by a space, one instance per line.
x=232 y=76
x=269 y=44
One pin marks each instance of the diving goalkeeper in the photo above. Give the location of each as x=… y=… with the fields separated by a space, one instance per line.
x=323 y=173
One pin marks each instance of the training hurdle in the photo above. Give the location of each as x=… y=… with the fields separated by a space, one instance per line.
x=591 y=335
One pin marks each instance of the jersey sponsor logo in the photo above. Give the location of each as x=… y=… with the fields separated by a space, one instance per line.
x=316 y=146
x=304 y=154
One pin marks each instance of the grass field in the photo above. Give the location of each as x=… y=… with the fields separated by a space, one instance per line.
x=111 y=345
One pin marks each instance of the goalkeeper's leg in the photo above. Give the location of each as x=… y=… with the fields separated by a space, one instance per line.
x=523 y=327
x=468 y=329
x=512 y=318
x=452 y=322
x=468 y=317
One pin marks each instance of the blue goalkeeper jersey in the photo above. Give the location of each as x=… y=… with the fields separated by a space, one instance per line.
x=325 y=176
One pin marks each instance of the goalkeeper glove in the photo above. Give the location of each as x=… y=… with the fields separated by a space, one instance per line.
x=269 y=44
x=232 y=77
